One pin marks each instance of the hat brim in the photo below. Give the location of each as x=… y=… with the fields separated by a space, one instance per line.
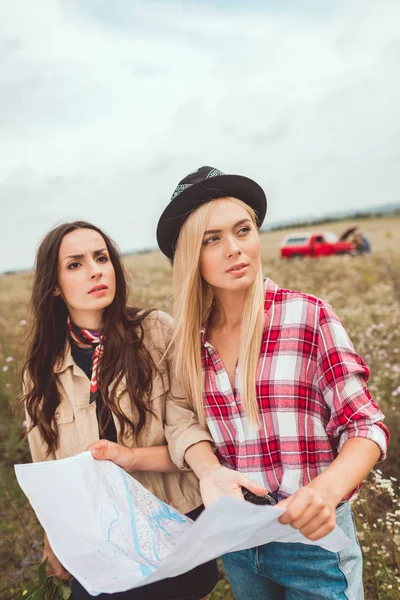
x=178 y=210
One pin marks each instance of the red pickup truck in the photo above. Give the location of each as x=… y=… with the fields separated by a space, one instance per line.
x=314 y=244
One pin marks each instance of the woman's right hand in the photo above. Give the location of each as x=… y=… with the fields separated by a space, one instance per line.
x=220 y=482
x=54 y=567
x=120 y=455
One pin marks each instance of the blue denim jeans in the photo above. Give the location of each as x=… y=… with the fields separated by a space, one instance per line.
x=285 y=571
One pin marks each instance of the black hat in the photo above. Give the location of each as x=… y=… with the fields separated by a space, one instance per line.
x=200 y=186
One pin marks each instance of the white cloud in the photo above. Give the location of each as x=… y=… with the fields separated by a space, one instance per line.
x=104 y=106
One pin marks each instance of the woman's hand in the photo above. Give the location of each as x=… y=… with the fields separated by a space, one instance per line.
x=310 y=511
x=54 y=567
x=220 y=482
x=217 y=481
x=121 y=455
x=152 y=458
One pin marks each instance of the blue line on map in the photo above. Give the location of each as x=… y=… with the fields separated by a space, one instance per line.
x=116 y=510
x=165 y=514
x=156 y=520
x=145 y=569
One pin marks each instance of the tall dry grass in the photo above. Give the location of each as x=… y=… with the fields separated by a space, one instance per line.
x=364 y=291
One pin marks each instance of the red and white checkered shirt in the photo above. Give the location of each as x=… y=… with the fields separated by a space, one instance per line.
x=311 y=391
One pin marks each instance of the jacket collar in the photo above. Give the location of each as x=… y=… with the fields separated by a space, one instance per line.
x=66 y=359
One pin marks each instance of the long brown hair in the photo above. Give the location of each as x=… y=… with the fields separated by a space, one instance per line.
x=124 y=353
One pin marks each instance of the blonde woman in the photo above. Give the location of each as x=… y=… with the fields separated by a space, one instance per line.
x=274 y=377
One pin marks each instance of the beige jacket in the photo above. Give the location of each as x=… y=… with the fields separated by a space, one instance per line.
x=78 y=427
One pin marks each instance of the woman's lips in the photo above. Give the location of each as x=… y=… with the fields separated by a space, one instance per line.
x=98 y=290
x=239 y=269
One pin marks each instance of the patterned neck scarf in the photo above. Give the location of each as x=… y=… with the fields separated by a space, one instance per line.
x=91 y=338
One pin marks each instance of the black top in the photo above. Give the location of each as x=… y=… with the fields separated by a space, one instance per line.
x=83 y=358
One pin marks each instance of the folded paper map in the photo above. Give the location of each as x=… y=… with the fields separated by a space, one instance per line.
x=112 y=534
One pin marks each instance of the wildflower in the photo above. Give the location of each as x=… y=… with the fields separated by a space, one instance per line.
x=9 y=359
x=22 y=323
x=5 y=369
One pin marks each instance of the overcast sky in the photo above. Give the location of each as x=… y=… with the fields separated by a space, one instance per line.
x=105 y=106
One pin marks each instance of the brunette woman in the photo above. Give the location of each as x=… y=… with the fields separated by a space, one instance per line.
x=96 y=368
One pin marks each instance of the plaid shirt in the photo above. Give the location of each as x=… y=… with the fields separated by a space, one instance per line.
x=311 y=391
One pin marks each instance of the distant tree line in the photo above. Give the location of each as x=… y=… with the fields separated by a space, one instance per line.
x=333 y=219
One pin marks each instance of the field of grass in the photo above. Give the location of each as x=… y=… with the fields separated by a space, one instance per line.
x=364 y=291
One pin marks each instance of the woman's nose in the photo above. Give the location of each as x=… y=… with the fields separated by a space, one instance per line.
x=96 y=271
x=233 y=249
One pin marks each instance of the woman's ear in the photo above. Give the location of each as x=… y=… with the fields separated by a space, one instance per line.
x=56 y=291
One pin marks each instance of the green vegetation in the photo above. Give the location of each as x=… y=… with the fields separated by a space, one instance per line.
x=364 y=291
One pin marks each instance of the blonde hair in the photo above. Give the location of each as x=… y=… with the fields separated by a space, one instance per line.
x=193 y=303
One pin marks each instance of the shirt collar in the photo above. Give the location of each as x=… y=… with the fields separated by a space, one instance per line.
x=270 y=286
x=203 y=332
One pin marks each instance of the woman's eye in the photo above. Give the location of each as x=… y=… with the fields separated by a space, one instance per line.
x=73 y=266
x=103 y=259
x=244 y=230
x=210 y=239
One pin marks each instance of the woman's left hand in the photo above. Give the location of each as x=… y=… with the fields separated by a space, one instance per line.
x=310 y=511
x=119 y=454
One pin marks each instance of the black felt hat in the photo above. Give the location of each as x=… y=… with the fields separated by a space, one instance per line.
x=201 y=186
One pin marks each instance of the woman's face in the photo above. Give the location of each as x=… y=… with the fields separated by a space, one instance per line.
x=86 y=276
x=230 y=256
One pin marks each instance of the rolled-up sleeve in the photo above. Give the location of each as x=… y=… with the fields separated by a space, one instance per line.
x=342 y=379
x=182 y=428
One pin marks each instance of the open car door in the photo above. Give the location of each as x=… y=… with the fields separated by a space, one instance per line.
x=347 y=233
